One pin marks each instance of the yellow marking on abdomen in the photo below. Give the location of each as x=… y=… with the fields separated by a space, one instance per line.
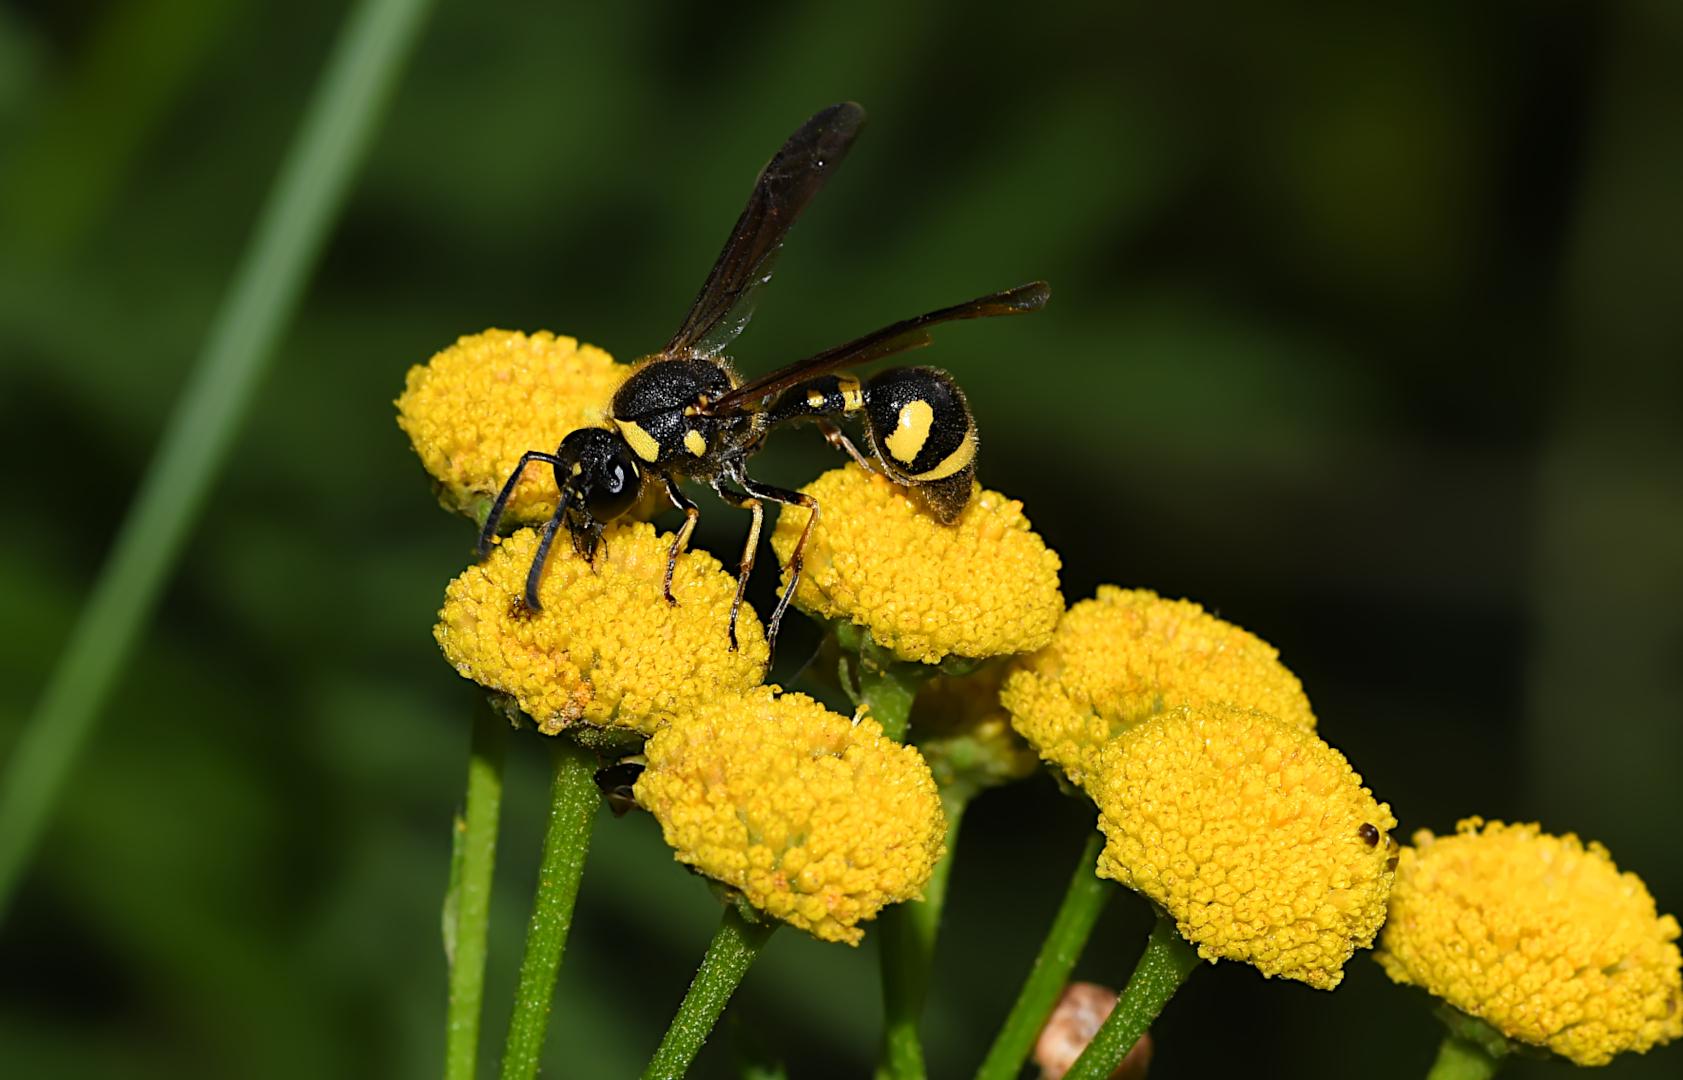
x=641 y=442
x=852 y=399
x=958 y=459
x=694 y=443
x=814 y=399
x=906 y=441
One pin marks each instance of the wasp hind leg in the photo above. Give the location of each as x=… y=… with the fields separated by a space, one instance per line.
x=744 y=502
x=681 y=542
x=796 y=557
x=836 y=438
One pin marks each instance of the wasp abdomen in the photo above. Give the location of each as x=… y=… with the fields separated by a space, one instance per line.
x=922 y=432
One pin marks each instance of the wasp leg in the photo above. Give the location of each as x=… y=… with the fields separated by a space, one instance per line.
x=534 y=577
x=743 y=502
x=495 y=517
x=787 y=498
x=834 y=436
x=681 y=542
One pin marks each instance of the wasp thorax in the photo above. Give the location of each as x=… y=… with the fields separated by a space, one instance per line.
x=659 y=412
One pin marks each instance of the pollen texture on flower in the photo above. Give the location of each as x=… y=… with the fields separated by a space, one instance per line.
x=1253 y=834
x=983 y=586
x=474 y=408
x=607 y=649
x=1539 y=936
x=816 y=819
x=1129 y=654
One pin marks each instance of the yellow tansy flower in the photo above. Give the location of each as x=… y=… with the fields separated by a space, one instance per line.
x=983 y=586
x=1539 y=936
x=817 y=819
x=1129 y=654
x=607 y=648
x=1254 y=835
x=474 y=408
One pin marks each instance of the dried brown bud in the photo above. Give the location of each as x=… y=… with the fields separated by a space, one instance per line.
x=1074 y=1022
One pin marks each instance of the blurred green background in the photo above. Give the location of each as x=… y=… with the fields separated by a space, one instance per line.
x=1366 y=332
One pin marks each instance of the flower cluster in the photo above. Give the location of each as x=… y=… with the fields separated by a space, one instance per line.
x=986 y=585
x=474 y=408
x=1217 y=799
x=1128 y=654
x=817 y=819
x=1539 y=936
x=607 y=649
x=1254 y=834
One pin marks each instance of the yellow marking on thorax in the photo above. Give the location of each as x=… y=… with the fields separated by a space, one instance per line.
x=958 y=459
x=852 y=399
x=912 y=431
x=694 y=443
x=578 y=468
x=641 y=442
x=814 y=399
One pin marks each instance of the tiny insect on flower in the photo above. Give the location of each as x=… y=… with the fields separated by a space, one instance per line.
x=1255 y=836
x=1540 y=936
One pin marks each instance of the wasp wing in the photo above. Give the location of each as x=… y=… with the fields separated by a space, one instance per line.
x=788 y=182
x=908 y=334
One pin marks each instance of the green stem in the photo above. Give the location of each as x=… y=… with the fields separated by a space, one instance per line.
x=305 y=200
x=907 y=946
x=573 y=800
x=733 y=951
x=1462 y=1060
x=1083 y=903
x=467 y=906
x=1168 y=960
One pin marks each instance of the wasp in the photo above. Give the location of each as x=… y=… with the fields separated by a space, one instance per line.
x=685 y=414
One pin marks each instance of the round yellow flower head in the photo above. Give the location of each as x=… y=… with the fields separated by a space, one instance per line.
x=474 y=408
x=983 y=586
x=1129 y=654
x=1253 y=834
x=607 y=649
x=817 y=819
x=1539 y=936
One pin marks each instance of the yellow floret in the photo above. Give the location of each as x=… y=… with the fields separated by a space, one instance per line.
x=1129 y=654
x=1253 y=834
x=983 y=586
x=607 y=648
x=474 y=408
x=817 y=819
x=1539 y=936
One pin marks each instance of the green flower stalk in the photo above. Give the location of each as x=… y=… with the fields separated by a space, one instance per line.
x=909 y=598
x=467 y=902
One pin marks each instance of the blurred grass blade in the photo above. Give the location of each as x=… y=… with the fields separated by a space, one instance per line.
x=376 y=40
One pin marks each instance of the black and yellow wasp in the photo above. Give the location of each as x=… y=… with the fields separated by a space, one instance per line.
x=684 y=414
